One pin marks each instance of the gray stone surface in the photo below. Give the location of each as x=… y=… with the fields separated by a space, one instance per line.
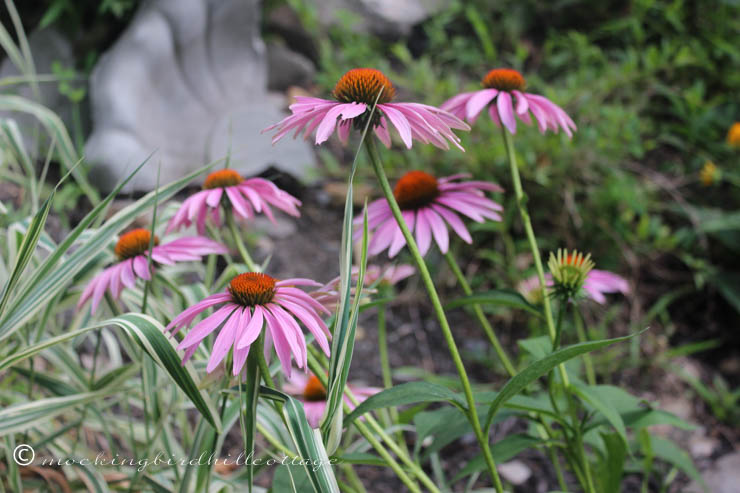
x=287 y=68
x=187 y=79
x=391 y=18
x=722 y=477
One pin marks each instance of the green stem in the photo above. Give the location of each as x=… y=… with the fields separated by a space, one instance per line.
x=395 y=466
x=588 y=362
x=385 y=365
x=439 y=311
x=389 y=415
x=524 y=213
x=240 y=243
x=402 y=453
x=487 y=328
x=559 y=324
x=558 y=471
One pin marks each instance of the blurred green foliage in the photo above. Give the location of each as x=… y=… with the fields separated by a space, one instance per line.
x=653 y=88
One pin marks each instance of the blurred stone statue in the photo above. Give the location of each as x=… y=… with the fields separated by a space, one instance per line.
x=187 y=81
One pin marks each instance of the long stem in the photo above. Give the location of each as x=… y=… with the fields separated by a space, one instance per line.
x=588 y=362
x=524 y=213
x=439 y=311
x=385 y=365
x=239 y=242
x=487 y=328
x=389 y=415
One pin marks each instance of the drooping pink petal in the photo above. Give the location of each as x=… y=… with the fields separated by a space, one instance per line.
x=224 y=340
x=381 y=130
x=190 y=313
x=478 y=101
x=252 y=330
x=314 y=412
x=506 y=111
x=345 y=111
x=439 y=230
x=423 y=232
x=207 y=325
x=400 y=122
x=455 y=222
x=279 y=341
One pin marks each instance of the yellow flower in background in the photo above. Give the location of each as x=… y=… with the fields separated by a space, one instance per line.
x=733 y=135
x=709 y=174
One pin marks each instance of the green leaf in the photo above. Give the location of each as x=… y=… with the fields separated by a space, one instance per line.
x=27 y=249
x=149 y=334
x=600 y=397
x=343 y=337
x=252 y=393
x=362 y=458
x=307 y=442
x=502 y=451
x=20 y=417
x=534 y=371
x=612 y=467
x=406 y=393
x=58 y=133
x=668 y=451
x=537 y=347
x=57 y=271
x=649 y=417
x=496 y=297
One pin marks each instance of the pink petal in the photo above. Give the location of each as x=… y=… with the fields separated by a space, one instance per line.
x=506 y=111
x=423 y=232
x=224 y=340
x=478 y=101
x=381 y=130
x=454 y=221
x=252 y=329
x=207 y=325
x=439 y=229
x=400 y=122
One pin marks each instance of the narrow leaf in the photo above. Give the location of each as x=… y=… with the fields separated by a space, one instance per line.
x=407 y=393
x=534 y=371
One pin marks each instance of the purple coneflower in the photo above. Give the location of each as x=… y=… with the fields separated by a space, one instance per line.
x=252 y=300
x=597 y=284
x=132 y=252
x=246 y=198
x=311 y=392
x=355 y=94
x=389 y=275
x=500 y=84
x=429 y=205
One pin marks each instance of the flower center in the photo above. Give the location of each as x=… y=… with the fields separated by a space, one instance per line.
x=252 y=288
x=362 y=85
x=415 y=189
x=134 y=243
x=504 y=79
x=314 y=390
x=222 y=178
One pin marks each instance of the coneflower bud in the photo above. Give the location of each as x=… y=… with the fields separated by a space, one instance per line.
x=569 y=271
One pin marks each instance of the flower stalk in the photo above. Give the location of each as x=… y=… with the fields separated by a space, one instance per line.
x=521 y=202
x=480 y=315
x=439 y=312
x=231 y=224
